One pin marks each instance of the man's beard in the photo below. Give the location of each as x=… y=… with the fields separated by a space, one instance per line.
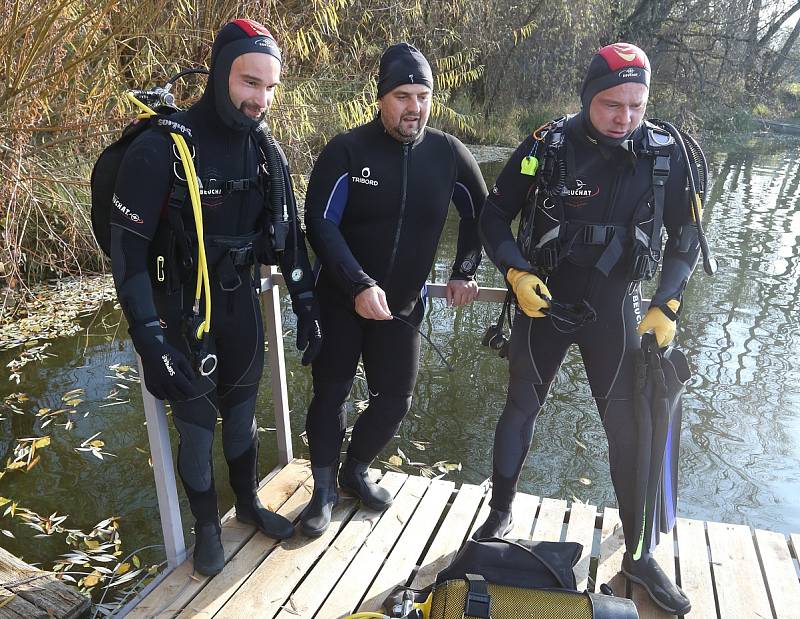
x=259 y=118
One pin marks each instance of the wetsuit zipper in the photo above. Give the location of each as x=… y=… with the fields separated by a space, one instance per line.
x=406 y=149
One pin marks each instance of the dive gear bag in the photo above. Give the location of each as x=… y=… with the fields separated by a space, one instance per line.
x=511 y=579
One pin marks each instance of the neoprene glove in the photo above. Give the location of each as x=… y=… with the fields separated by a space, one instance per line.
x=309 y=332
x=168 y=374
x=530 y=291
x=657 y=321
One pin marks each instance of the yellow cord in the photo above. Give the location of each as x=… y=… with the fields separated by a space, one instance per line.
x=367 y=615
x=202 y=285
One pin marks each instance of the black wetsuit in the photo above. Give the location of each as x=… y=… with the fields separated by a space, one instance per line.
x=375 y=210
x=231 y=211
x=612 y=186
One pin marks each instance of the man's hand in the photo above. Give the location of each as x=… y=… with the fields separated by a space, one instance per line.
x=371 y=304
x=461 y=292
x=531 y=292
x=309 y=333
x=657 y=322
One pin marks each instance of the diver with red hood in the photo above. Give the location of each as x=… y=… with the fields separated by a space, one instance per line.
x=595 y=190
x=239 y=168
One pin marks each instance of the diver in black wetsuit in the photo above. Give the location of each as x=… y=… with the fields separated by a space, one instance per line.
x=376 y=205
x=245 y=69
x=592 y=238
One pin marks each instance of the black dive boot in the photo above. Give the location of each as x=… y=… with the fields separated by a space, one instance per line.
x=658 y=585
x=497 y=524
x=209 y=556
x=317 y=514
x=354 y=480
x=243 y=473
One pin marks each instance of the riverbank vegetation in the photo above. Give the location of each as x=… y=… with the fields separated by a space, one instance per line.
x=501 y=67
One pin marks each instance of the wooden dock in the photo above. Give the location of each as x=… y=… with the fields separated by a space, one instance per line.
x=29 y=593
x=728 y=571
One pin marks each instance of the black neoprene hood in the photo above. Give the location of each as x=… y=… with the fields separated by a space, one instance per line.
x=241 y=36
x=403 y=63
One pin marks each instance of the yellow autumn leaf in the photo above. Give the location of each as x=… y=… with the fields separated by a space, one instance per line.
x=395 y=460
x=33 y=463
x=122 y=568
x=19 y=464
x=92 y=544
x=97 y=443
x=585 y=482
x=41 y=442
x=91 y=580
x=74 y=402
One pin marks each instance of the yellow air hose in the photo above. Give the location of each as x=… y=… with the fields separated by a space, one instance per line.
x=202 y=286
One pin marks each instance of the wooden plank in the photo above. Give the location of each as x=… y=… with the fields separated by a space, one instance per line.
x=740 y=587
x=664 y=554
x=550 y=521
x=359 y=574
x=450 y=535
x=580 y=528
x=47 y=593
x=271 y=583
x=695 y=567
x=612 y=547
x=483 y=513
x=794 y=538
x=182 y=585
x=223 y=586
x=408 y=549
x=15 y=607
x=308 y=597
x=524 y=514
x=780 y=574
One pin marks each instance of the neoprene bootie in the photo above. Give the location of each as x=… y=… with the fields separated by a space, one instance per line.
x=658 y=585
x=250 y=511
x=354 y=480
x=209 y=557
x=498 y=523
x=317 y=514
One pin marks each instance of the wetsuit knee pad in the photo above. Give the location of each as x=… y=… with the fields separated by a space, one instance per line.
x=194 y=455
x=238 y=428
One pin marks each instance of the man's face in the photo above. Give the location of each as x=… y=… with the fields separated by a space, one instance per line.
x=252 y=82
x=616 y=112
x=405 y=111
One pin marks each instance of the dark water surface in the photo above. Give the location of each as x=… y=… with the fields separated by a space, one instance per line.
x=740 y=458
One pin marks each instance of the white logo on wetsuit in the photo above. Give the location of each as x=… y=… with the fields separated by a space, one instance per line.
x=134 y=217
x=411 y=77
x=365 y=179
x=581 y=190
x=168 y=364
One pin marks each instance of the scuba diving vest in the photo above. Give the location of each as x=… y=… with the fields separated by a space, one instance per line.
x=173 y=250
x=547 y=237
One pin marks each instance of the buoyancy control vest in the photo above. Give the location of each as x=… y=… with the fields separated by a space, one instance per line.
x=173 y=249
x=548 y=237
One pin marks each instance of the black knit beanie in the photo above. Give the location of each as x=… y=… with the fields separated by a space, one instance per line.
x=612 y=65
x=403 y=64
x=241 y=36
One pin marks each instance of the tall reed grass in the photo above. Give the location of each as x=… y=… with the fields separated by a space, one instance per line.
x=65 y=65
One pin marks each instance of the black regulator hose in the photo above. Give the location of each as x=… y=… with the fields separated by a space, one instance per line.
x=279 y=211
x=709 y=262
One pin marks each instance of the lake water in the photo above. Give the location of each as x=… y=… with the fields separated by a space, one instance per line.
x=740 y=454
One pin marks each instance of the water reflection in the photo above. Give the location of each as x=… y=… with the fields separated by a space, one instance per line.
x=740 y=458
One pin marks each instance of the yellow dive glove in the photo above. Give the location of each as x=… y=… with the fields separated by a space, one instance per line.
x=661 y=325
x=530 y=291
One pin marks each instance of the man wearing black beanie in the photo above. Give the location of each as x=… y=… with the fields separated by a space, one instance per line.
x=376 y=205
x=595 y=189
x=155 y=258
